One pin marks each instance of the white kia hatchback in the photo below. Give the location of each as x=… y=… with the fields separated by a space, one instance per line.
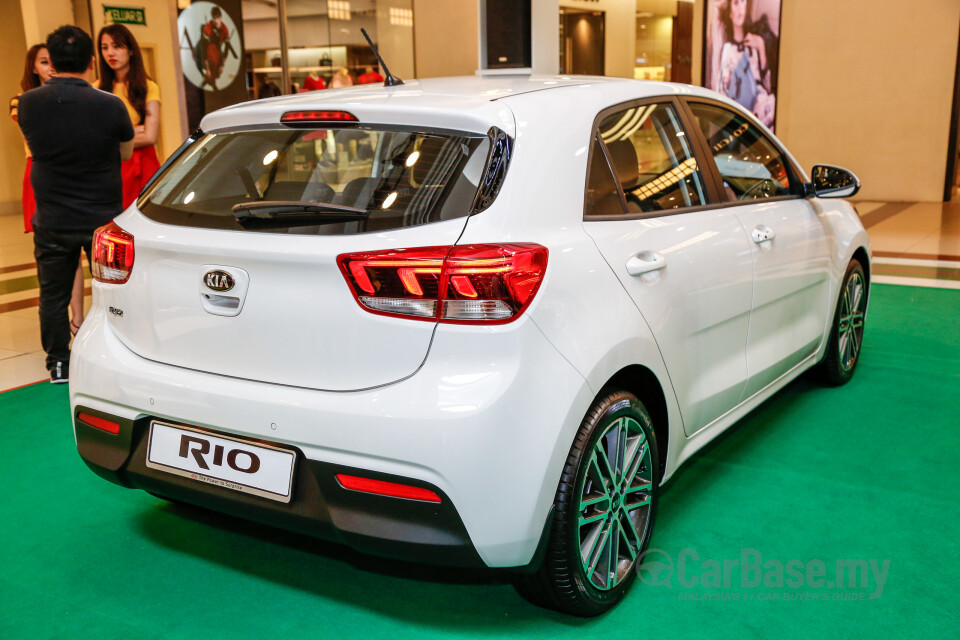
x=471 y=321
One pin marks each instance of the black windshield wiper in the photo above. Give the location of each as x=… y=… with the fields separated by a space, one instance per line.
x=294 y=213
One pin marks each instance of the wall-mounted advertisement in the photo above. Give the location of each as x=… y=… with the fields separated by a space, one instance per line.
x=741 y=53
x=211 y=44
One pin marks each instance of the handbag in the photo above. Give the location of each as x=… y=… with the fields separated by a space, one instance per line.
x=743 y=86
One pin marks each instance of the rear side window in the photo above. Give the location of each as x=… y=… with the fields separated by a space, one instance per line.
x=603 y=197
x=329 y=181
x=751 y=165
x=652 y=160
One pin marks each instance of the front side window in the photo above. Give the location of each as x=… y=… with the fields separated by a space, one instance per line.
x=752 y=167
x=328 y=181
x=652 y=159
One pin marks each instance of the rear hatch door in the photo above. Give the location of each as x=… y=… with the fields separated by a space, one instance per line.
x=264 y=298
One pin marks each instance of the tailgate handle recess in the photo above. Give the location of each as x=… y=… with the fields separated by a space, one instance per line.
x=222 y=302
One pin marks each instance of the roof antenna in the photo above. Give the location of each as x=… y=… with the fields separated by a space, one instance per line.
x=392 y=80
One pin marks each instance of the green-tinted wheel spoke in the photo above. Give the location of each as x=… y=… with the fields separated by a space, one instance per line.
x=589 y=545
x=600 y=481
x=640 y=450
x=855 y=339
x=643 y=501
x=589 y=502
x=610 y=553
x=640 y=487
x=585 y=520
x=604 y=469
x=623 y=458
x=600 y=545
x=857 y=293
x=615 y=553
x=617 y=451
x=632 y=452
x=634 y=544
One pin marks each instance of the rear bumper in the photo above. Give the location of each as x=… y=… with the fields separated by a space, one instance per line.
x=380 y=525
x=486 y=423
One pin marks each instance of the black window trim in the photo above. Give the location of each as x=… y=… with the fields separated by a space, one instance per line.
x=708 y=166
x=713 y=182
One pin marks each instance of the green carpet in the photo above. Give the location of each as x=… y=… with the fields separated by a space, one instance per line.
x=864 y=472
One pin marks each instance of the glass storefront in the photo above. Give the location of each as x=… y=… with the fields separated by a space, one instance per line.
x=664 y=44
x=324 y=44
x=593 y=41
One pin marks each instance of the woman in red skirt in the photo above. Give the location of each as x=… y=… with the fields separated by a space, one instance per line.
x=36 y=71
x=122 y=73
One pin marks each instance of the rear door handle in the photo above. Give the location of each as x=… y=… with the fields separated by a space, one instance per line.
x=645 y=262
x=763 y=233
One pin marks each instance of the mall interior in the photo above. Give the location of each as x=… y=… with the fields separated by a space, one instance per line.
x=849 y=94
x=869 y=85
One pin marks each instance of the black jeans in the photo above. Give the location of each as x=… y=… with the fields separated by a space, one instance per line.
x=57 y=253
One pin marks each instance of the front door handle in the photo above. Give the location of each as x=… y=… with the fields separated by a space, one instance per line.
x=645 y=262
x=763 y=233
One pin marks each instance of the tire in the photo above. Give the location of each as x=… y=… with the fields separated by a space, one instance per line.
x=575 y=576
x=846 y=334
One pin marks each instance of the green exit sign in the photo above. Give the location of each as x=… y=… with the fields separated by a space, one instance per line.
x=124 y=15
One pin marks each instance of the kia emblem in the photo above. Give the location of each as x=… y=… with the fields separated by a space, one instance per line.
x=218 y=280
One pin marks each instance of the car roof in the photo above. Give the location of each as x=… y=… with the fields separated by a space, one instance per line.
x=472 y=103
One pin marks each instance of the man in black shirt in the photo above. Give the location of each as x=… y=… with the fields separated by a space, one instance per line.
x=78 y=135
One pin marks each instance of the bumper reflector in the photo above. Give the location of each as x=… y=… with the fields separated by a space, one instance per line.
x=98 y=423
x=391 y=489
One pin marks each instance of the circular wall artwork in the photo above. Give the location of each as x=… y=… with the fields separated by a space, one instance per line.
x=209 y=46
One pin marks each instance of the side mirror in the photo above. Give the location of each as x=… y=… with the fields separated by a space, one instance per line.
x=832 y=182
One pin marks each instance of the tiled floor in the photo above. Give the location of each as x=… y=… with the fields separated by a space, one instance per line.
x=913 y=243
x=21 y=357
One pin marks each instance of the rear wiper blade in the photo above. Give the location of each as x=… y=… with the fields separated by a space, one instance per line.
x=290 y=213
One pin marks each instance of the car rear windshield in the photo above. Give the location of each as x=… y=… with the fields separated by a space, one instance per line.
x=319 y=181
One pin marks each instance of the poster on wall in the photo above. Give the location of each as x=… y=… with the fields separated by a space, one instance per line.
x=211 y=46
x=741 y=53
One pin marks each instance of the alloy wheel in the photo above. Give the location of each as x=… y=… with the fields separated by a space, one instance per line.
x=850 y=328
x=614 y=505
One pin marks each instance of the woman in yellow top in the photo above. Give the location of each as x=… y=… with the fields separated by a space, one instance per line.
x=122 y=74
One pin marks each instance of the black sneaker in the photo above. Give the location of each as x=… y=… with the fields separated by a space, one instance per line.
x=60 y=373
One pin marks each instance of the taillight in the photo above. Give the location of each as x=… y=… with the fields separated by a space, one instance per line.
x=112 y=254
x=484 y=283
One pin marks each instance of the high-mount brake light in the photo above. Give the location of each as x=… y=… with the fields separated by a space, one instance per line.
x=470 y=284
x=112 y=254
x=294 y=117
